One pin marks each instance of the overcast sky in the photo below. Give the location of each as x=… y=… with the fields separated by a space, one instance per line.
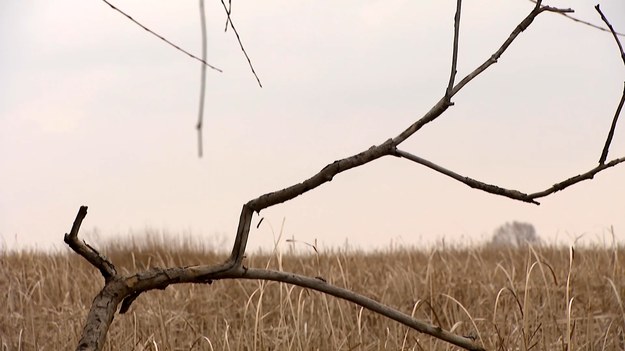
x=95 y=111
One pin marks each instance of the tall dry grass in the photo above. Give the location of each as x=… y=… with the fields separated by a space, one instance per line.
x=540 y=298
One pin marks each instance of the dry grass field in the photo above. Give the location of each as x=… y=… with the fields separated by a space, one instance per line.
x=510 y=299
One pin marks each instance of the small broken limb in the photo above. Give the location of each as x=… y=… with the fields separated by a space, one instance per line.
x=86 y=251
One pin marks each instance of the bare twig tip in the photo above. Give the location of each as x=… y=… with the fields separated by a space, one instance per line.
x=161 y=37
x=236 y=33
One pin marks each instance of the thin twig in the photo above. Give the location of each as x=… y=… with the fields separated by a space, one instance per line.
x=249 y=62
x=576 y=179
x=454 y=59
x=202 y=80
x=589 y=24
x=608 y=141
x=575 y=19
x=614 y=34
x=228 y=14
x=162 y=38
x=509 y=193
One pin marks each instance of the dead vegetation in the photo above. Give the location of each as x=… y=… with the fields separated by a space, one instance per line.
x=532 y=298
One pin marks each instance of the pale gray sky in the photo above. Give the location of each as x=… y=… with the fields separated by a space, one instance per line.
x=95 y=111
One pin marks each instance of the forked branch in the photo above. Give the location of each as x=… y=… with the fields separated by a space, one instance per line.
x=124 y=290
x=575 y=19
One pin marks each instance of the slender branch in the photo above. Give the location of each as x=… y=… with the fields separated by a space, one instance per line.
x=441 y=105
x=228 y=14
x=576 y=179
x=509 y=193
x=454 y=59
x=202 y=80
x=489 y=188
x=162 y=38
x=375 y=152
x=608 y=141
x=515 y=33
x=236 y=33
x=87 y=252
x=618 y=42
x=575 y=19
x=370 y=304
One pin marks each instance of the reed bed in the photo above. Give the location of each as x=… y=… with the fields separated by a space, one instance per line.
x=529 y=298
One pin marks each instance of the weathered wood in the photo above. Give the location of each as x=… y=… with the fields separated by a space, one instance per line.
x=119 y=289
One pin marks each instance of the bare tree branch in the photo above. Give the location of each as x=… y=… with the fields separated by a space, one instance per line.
x=202 y=60
x=124 y=290
x=576 y=179
x=164 y=277
x=442 y=106
x=228 y=14
x=387 y=148
x=614 y=34
x=454 y=58
x=518 y=30
x=370 y=304
x=589 y=24
x=276 y=197
x=236 y=33
x=575 y=19
x=476 y=184
x=162 y=38
x=89 y=253
x=608 y=141
x=202 y=80
x=509 y=193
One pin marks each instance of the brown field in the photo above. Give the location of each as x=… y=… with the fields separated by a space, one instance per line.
x=510 y=299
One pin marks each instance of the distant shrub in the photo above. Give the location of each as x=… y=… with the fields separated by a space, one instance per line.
x=515 y=234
